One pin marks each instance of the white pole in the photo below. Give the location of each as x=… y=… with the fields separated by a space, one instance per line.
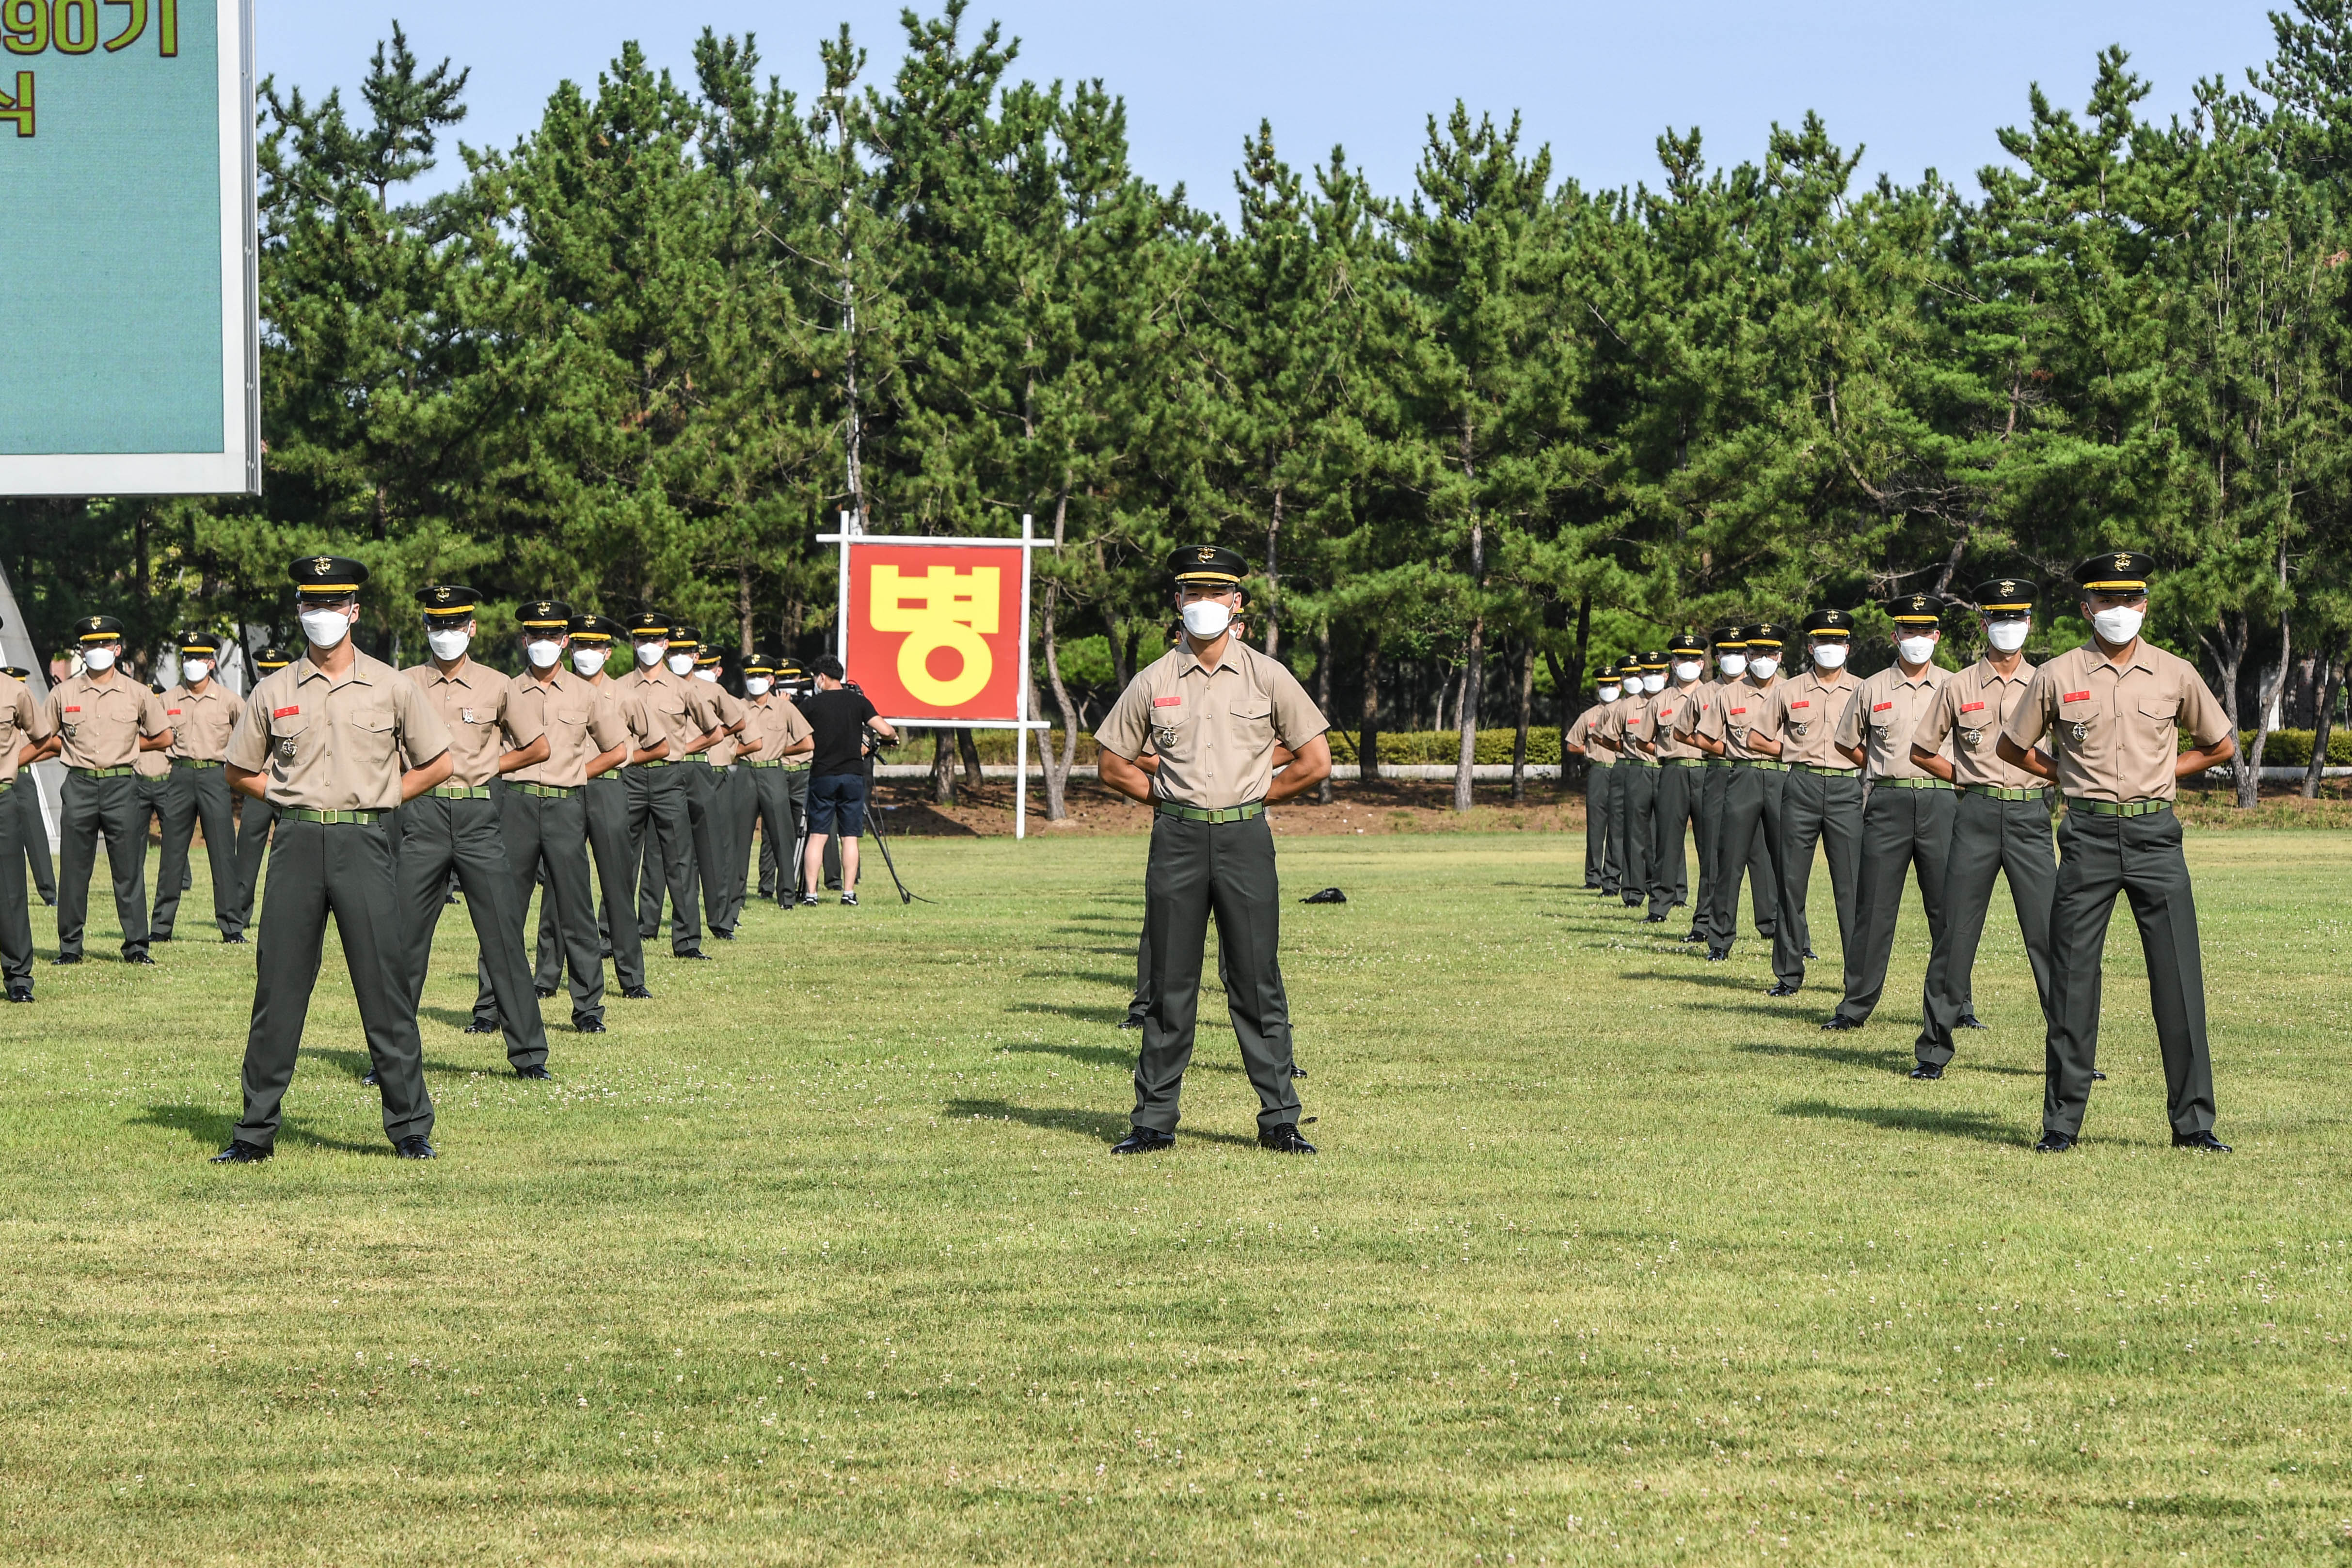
x=841 y=617
x=1020 y=702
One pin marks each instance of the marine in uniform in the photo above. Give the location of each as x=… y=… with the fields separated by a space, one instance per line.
x=2001 y=821
x=1630 y=798
x=1665 y=735
x=1748 y=841
x=99 y=721
x=723 y=846
x=1600 y=859
x=32 y=827
x=255 y=816
x=544 y=805
x=1727 y=660
x=1907 y=819
x=202 y=712
x=777 y=744
x=683 y=712
x=456 y=825
x=336 y=741
x=1214 y=709
x=1821 y=803
x=152 y=774
x=791 y=683
x=2111 y=709
x=20 y=741
x=606 y=799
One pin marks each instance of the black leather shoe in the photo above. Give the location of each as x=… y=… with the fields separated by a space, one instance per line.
x=544 y=991
x=1810 y=956
x=237 y=941
x=1924 y=1071
x=722 y=936
x=2203 y=1143
x=1971 y=1021
x=1285 y=1140
x=20 y=993
x=240 y=1153
x=540 y=1073
x=636 y=993
x=1130 y=1021
x=1654 y=920
x=2055 y=1144
x=1781 y=989
x=1296 y=1070
x=153 y=937
x=2097 y=1076
x=1838 y=1024
x=588 y=1026
x=1716 y=957
x=63 y=958
x=698 y=956
x=141 y=957
x=1143 y=1141
x=368 y=1080
x=481 y=1026
x=1631 y=902
x=1695 y=937
x=415 y=1148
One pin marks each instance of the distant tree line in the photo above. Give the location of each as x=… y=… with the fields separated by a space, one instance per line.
x=1479 y=436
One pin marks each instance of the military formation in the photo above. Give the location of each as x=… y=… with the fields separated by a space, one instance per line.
x=1920 y=776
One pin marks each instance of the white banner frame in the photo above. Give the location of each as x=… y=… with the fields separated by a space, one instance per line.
x=1022 y=724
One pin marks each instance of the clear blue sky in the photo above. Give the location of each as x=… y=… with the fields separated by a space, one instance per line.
x=1923 y=85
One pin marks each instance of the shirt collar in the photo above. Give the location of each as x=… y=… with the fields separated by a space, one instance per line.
x=1985 y=672
x=1193 y=660
x=1926 y=676
x=2139 y=660
x=356 y=676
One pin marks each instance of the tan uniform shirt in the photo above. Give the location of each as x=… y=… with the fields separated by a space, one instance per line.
x=643 y=735
x=22 y=722
x=1622 y=718
x=1968 y=713
x=2112 y=730
x=1669 y=722
x=101 y=722
x=776 y=727
x=731 y=709
x=1736 y=711
x=151 y=764
x=1690 y=713
x=478 y=705
x=1884 y=714
x=679 y=709
x=1802 y=714
x=1580 y=734
x=1215 y=730
x=579 y=724
x=327 y=744
x=201 y=721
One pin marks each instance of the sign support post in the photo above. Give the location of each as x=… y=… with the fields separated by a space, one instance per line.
x=1021 y=734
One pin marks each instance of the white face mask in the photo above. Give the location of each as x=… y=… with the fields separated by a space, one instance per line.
x=2117 y=627
x=1655 y=683
x=758 y=686
x=2007 y=637
x=325 y=628
x=1764 y=666
x=1828 y=655
x=711 y=675
x=650 y=654
x=1609 y=693
x=681 y=663
x=1733 y=666
x=1915 y=650
x=1206 y=619
x=447 y=646
x=194 y=671
x=1688 y=669
x=542 y=653
x=100 y=659
x=589 y=662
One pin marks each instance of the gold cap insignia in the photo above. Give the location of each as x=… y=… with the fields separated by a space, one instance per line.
x=322 y=565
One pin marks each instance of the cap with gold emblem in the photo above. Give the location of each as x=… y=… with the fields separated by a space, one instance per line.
x=1631 y=664
x=1732 y=637
x=1915 y=609
x=544 y=615
x=272 y=659
x=447 y=601
x=761 y=662
x=2120 y=571
x=682 y=637
x=2007 y=596
x=648 y=626
x=1764 y=634
x=91 y=629
x=1688 y=643
x=791 y=672
x=1208 y=564
x=595 y=629
x=199 y=646
x=1828 y=623
x=14 y=673
x=1655 y=660
x=329 y=579
x=705 y=657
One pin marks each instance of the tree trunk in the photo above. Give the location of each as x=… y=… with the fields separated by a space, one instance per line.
x=743 y=604
x=1122 y=653
x=1273 y=577
x=1527 y=711
x=942 y=769
x=2227 y=646
x=1473 y=670
x=1057 y=770
x=2323 y=719
x=968 y=747
x=2267 y=716
x=1368 y=737
x=1323 y=695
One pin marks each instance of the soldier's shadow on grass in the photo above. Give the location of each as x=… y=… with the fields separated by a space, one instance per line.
x=1105 y=1127
x=1843 y=1055
x=358 y=1064
x=1115 y=1056
x=1980 y=1126
x=1076 y=1014
x=211 y=1130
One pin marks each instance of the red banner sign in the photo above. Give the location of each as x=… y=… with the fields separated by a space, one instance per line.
x=934 y=630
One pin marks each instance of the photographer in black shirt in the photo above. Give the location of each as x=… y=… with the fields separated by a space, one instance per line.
x=836 y=793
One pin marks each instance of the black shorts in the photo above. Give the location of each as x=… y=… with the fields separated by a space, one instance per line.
x=837 y=804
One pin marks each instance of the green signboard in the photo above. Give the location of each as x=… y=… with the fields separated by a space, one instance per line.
x=127 y=316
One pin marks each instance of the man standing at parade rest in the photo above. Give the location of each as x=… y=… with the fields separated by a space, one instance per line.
x=1214 y=709
x=324 y=740
x=1599 y=850
x=1748 y=842
x=780 y=865
x=456 y=826
x=683 y=712
x=2000 y=823
x=32 y=827
x=201 y=713
x=20 y=737
x=255 y=816
x=1665 y=735
x=2112 y=709
x=1632 y=781
x=151 y=770
x=717 y=838
x=99 y=721
x=1821 y=803
x=544 y=805
x=606 y=801
x=1907 y=822
x=1727 y=658
x=777 y=744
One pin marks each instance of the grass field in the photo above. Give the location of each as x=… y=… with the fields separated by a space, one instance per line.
x=819 y=1258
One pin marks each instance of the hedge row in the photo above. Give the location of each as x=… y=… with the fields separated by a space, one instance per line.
x=2291 y=749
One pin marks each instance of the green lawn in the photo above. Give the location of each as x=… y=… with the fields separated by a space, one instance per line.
x=819 y=1257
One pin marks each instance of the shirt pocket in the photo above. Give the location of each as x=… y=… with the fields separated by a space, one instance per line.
x=291 y=743
x=1172 y=732
x=1254 y=725
x=372 y=733
x=2159 y=720
x=2079 y=724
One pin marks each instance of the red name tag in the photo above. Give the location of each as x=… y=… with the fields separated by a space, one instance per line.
x=2076 y=697
x=1807 y=703
x=172 y=711
x=1167 y=702
x=1665 y=713
x=1737 y=711
x=74 y=709
x=283 y=712
x=1970 y=708
x=1880 y=707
